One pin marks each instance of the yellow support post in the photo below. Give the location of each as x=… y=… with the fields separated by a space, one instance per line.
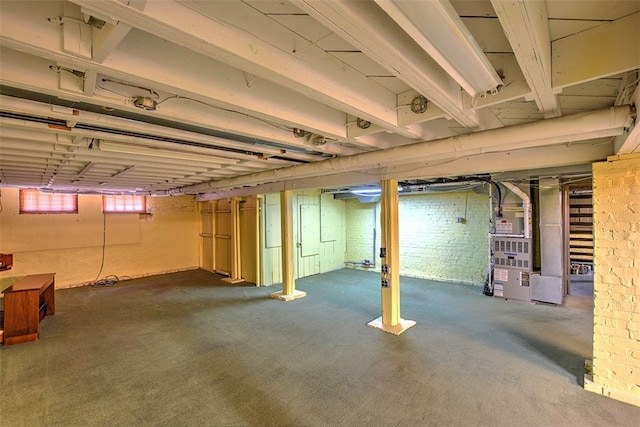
x=289 y=291
x=390 y=321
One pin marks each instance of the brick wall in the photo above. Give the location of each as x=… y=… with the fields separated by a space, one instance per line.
x=360 y=231
x=616 y=315
x=433 y=244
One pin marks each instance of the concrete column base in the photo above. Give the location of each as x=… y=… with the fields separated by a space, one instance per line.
x=288 y=297
x=232 y=280
x=397 y=329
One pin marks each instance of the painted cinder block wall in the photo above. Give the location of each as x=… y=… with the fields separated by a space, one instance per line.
x=70 y=245
x=433 y=244
x=363 y=226
x=616 y=313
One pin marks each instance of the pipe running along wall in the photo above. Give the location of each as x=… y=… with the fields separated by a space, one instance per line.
x=577 y=127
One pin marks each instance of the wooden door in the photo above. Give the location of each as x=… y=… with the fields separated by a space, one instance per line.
x=309 y=240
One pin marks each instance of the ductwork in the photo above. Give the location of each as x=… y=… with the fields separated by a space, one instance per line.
x=526 y=205
x=577 y=127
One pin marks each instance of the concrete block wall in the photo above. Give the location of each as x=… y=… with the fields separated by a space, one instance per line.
x=433 y=244
x=616 y=315
x=363 y=222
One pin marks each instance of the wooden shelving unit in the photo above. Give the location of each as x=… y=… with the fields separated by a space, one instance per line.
x=581 y=230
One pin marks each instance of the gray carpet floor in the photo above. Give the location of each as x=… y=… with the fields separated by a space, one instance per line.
x=186 y=349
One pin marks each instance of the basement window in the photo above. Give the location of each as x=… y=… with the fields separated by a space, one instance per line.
x=124 y=204
x=34 y=201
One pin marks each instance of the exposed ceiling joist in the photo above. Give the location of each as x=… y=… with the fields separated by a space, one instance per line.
x=374 y=33
x=616 y=45
x=318 y=76
x=201 y=94
x=526 y=25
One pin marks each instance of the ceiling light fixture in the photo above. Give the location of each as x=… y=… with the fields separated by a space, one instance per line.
x=419 y=104
x=363 y=124
x=318 y=140
x=437 y=28
x=145 y=103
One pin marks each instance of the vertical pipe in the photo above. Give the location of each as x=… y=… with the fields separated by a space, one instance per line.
x=526 y=204
x=375 y=218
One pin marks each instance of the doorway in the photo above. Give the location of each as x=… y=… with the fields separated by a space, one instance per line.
x=579 y=236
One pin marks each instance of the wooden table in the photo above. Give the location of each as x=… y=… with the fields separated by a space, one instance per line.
x=26 y=303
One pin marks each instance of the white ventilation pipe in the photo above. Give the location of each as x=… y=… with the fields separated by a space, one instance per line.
x=526 y=205
x=577 y=127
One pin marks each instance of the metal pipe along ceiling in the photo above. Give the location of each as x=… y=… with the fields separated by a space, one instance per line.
x=577 y=127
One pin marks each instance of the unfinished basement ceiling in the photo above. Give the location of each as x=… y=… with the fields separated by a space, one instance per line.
x=216 y=97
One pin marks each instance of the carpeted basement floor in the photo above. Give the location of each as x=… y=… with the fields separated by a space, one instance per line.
x=185 y=349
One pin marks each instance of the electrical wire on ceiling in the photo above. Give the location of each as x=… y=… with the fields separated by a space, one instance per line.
x=146 y=89
x=155 y=95
x=123 y=97
x=626 y=88
x=76 y=73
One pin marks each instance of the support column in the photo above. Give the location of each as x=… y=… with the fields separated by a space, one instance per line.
x=236 y=275
x=390 y=321
x=613 y=372
x=288 y=292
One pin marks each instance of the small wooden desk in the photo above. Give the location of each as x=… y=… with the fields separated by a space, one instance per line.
x=26 y=303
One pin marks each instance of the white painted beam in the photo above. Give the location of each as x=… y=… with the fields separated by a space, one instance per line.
x=369 y=29
x=105 y=40
x=526 y=25
x=439 y=31
x=605 y=50
x=90 y=80
x=21 y=106
x=232 y=158
x=514 y=164
x=320 y=76
x=32 y=73
x=527 y=160
x=175 y=70
x=577 y=127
